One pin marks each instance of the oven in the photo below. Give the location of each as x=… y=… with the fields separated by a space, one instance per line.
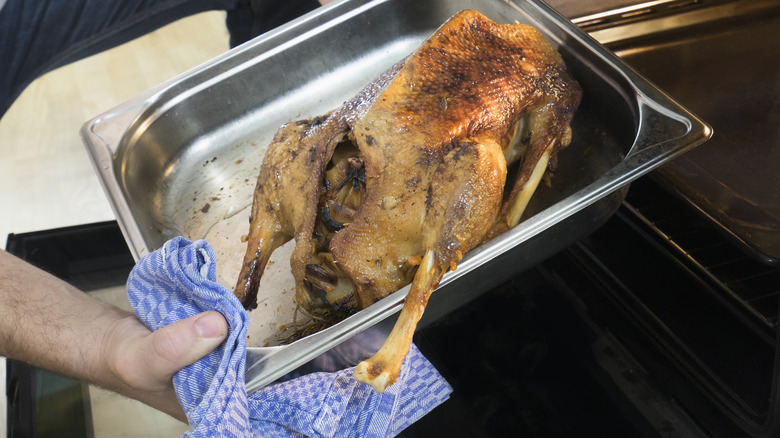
x=664 y=321
x=691 y=261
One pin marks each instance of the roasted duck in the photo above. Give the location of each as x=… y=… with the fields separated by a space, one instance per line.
x=396 y=185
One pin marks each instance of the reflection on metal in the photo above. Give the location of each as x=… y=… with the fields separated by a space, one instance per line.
x=640 y=11
x=644 y=19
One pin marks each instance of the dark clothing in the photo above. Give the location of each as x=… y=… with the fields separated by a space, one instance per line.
x=37 y=36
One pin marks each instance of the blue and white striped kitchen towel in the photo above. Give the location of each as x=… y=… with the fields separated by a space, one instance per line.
x=178 y=281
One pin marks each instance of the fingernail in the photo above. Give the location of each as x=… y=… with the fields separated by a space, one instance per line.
x=210 y=325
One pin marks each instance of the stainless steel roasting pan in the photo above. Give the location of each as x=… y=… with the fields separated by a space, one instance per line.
x=182 y=158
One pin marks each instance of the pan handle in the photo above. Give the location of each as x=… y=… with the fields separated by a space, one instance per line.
x=663 y=134
x=101 y=137
x=665 y=130
x=106 y=131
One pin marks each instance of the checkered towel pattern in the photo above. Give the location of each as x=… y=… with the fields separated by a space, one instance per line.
x=178 y=281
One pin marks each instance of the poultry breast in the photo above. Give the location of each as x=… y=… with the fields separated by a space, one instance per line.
x=396 y=185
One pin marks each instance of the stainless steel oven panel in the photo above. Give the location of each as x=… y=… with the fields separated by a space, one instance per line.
x=182 y=158
x=719 y=58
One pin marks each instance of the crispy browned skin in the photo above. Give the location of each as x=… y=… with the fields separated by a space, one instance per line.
x=399 y=183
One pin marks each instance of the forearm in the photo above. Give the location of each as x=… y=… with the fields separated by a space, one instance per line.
x=50 y=324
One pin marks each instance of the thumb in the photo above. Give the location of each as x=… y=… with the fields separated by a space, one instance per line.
x=184 y=342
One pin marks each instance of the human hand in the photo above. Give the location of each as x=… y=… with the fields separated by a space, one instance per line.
x=90 y=340
x=144 y=362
